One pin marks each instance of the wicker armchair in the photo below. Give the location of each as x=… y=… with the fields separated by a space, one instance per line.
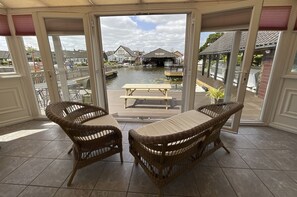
x=95 y=134
x=167 y=148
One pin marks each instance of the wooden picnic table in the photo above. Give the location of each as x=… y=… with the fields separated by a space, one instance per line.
x=131 y=88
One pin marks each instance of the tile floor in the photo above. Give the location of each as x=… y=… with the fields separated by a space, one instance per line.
x=34 y=162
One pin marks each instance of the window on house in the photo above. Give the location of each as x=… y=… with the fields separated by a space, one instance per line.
x=6 y=64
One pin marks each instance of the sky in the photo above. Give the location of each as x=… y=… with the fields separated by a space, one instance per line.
x=143 y=33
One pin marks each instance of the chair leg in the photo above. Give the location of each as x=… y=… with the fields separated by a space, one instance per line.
x=135 y=162
x=70 y=150
x=226 y=149
x=72 y=174
x=121 y=156
x=219 y=142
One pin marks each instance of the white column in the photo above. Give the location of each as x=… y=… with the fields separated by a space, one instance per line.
x=61 y=68
x=191 y=60
x=232 y=65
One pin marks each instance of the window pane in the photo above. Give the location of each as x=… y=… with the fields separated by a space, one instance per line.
x=36 y=71
x=294 y=67
x=6 y=65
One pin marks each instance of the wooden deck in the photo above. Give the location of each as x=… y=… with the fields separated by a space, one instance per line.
x=154 y=109
x=173 y=73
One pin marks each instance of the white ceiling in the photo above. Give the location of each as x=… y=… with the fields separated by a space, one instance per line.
x=60 y=3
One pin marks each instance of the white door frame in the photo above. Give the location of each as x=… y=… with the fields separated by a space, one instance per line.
x=249 y=50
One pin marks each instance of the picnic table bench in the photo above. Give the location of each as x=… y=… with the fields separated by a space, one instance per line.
x=131 y=88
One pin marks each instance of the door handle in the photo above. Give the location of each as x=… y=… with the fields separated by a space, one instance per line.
x=49 y=74
x=245 y=77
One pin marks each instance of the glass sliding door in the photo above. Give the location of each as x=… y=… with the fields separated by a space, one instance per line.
x=68 y=63
x=225 y=62
x=144 y=50
x=36 y=70
x=71 y=67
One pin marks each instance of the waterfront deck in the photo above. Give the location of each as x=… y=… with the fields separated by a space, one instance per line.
x=154 y=109
x=168 y=73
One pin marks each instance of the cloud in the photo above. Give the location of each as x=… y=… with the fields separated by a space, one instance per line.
x=168 y=32
x=3 y=45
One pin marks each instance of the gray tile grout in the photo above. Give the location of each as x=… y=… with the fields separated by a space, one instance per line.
x=127 y=192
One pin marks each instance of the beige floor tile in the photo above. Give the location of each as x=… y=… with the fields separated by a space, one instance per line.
x=28 y=171
x=55 y=174
x=125 y=136
x=262 y=148
x=73 y=193
x=47 y=134
x=122 y=125
x=107 y=194
x=54 y=149
x=209 y=161
x=115 y=176
x=292 y=174
x=246 y=130
x=256 y=159
x=7 y=190
x=246 y=183
x=146 y=195
x=130 y=125
x=213 y=182
x=236 y=141
x=278 y=182
x=23 y=148
x=87 y=177
x=9 y=164
x=33 y=191
x=232 y=160
x=127 y=157
x=284 y=159
x=141 y=183
x=183 y=185
x=272 y=141
x=66 y=155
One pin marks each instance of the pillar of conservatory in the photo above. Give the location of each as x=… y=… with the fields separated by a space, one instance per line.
x=61 y=69
x=232 y=65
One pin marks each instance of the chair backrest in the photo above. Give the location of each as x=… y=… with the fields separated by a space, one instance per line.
x=58 y=112
x=70 y=115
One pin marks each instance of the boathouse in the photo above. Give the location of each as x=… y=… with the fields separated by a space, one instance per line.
x=159 y=57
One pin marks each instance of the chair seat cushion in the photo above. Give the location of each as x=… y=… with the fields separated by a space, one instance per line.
x=104 y=120
x=174 y=124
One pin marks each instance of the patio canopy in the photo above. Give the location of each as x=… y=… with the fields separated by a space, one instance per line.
x=59 y=3
x=265 y=40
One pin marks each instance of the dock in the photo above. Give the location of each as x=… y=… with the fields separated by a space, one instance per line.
x=174 y=71
x=111 y=74
x=169 y=73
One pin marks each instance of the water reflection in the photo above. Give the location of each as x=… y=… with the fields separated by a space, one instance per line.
x=139 y=74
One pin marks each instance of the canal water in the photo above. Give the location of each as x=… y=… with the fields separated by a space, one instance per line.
x=141 y=75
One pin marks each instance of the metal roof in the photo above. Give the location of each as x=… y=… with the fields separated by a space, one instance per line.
x=127 y=49
x=265 y=39
x=159 y=53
